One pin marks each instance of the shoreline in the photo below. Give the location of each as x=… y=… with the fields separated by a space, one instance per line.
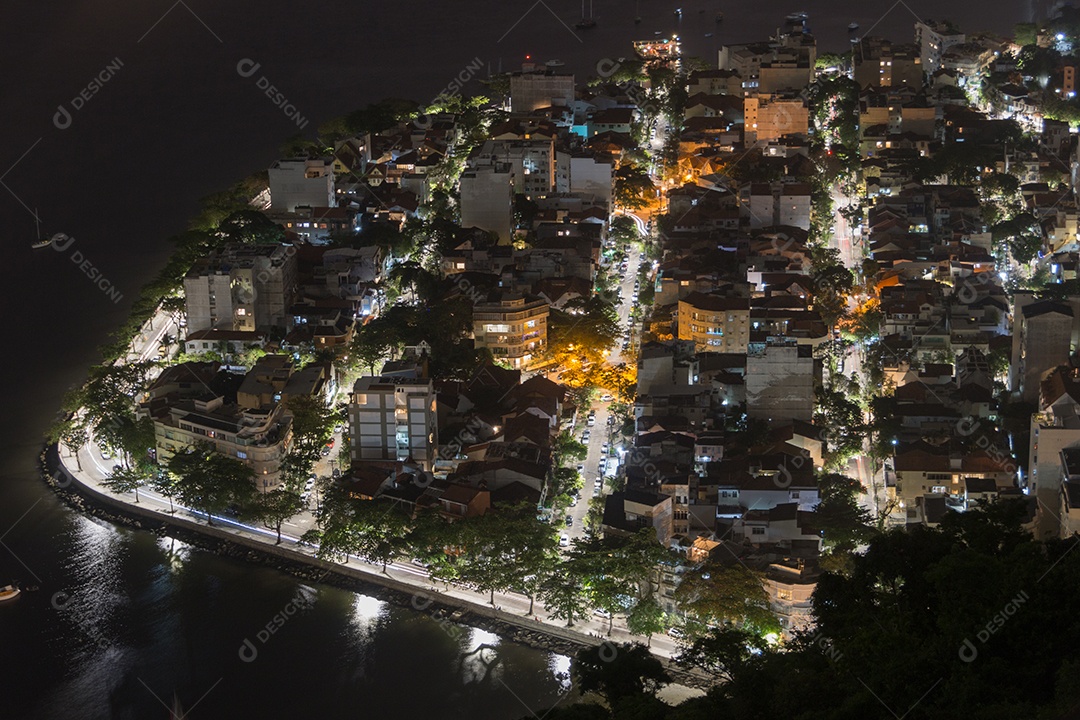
x=430 y=601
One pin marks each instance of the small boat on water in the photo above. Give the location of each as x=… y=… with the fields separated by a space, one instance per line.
x=853 y=27
x=8 y=592
x=41 y=242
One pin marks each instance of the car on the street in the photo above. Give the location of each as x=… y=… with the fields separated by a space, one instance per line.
x=602 y=613
x=325 y=452
x=336 y=473
x=585 y=436
x=337 y=428
x=573 y=501
x=309 y=484
x=596 y=491
x=105 y=454
x=591 y=420
x=117 y=469
x=676 y=632
x=602 y=466
x=606 y=397
x=626 y=346
x=569 y=520
x=581 y=468
x=564 y=541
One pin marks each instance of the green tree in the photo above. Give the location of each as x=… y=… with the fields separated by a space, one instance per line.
x=634 y=189
x=563 y=595
x=250 y=227
x=126 y=480
x=210 y=482
x=721 y=651
x=277 y=506
x=646 y=617
x=616 y=672
x=713 y=593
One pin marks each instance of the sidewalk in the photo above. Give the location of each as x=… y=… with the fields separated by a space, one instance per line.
x=401 y=577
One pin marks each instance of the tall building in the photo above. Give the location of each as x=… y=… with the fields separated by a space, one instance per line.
x=1045 y=335
x=393 y=418
x=534 y=90
x=780 y=382
x=880 y=63
x=301 y=181
x=532 y=163
x=241 y=288
x=715 y=323
x=487 y=199
x=767 y=117
x=513 y=327
x=934 y=39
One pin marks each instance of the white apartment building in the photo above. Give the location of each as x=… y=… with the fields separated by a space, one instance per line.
x=302 y=181
x=393 y=418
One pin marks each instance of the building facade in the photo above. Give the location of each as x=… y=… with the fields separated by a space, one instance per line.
x=513 y=327
x=393 y=418
x=243 y=288
x=301 y=181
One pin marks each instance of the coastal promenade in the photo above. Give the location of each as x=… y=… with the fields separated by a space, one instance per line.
x=404 y=584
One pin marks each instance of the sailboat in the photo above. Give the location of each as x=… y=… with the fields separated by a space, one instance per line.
x=8 y=592
x=586 y=22
x=41 y=241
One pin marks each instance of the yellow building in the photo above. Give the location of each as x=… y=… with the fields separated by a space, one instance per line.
x=513 y=327
x=714 y=322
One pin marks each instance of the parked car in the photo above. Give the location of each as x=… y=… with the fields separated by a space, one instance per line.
x=105 y=454
x=676 y=632
x=581 y=468
x=569 y=520
x=564 y=541
x=325 y=452
x=117 y=469
x=585 y=436
x=606 y=397
x=591 y=420
x=596 y=491
x=602 y=613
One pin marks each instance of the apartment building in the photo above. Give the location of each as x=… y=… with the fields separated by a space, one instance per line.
x=393 y=418
x=242 y=288
x=513 y=327
x=298 y=182
x=714 y=322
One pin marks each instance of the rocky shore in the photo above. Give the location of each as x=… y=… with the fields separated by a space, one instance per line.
x=430 y=601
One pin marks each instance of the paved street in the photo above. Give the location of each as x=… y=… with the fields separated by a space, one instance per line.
x=600 y=432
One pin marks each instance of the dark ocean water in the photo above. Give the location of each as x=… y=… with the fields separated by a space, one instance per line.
x=164 y=118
